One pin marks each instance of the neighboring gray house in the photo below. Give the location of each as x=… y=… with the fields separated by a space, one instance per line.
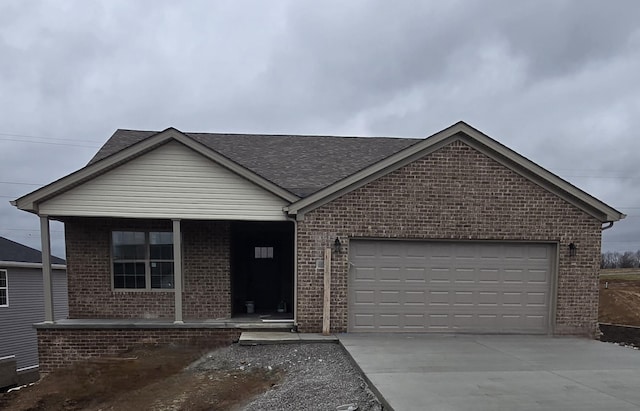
x=22 y=300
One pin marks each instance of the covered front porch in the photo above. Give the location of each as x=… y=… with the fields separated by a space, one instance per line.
x=159 y=271
x=199 y=299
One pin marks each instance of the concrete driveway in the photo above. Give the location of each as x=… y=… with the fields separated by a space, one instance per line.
x=491 y=372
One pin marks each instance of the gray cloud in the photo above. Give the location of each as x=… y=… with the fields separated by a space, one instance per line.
x=555 y=81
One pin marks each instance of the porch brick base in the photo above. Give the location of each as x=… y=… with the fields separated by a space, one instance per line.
x=59 y=348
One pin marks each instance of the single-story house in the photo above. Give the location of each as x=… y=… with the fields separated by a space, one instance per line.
x=190 y=236
x=22 y=304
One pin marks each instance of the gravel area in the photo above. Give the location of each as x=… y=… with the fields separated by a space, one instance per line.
x=316 y=376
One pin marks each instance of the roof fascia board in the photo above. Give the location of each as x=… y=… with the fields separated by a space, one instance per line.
x=20 y=264
x=29 y=201
x=479 y=141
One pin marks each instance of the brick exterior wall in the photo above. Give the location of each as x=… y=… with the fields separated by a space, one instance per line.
x=207 y=281
x=206 y=287
x=454 y=193
x=61 y=347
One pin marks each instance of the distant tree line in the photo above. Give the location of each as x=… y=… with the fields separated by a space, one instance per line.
x=615 y=259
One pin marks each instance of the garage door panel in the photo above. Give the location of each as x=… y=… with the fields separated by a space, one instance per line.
x=488 y=276
x=390 y=274
x=449 y=287
x=364 y=322
x=416 y=274
x=537 y=276
x=536 y=299
x=365 y=273
x=440 y=275
x=364 y=297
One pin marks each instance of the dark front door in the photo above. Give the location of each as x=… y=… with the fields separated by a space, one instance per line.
x=262 y=268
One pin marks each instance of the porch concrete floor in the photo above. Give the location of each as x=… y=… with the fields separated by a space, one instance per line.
x=274 y=337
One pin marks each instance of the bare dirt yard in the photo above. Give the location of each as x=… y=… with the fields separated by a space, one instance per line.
x=282 y=377
x=620 y=297
x=146 y=378
x=278 y=377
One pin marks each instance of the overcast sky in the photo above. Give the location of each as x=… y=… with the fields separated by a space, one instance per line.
x=557 y=81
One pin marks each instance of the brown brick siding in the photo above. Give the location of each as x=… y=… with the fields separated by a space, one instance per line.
x=206 y=271
x=454 y=193
x=207 y=281
x=61 y=347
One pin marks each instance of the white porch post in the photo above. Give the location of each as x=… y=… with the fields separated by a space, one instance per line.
x=45 y=237
x=177 y=270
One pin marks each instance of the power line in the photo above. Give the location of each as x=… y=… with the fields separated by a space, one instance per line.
x=46 y=138
x=48 y=142
x=619 y=177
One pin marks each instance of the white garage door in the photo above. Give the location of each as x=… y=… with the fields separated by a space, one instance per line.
x=411 y=286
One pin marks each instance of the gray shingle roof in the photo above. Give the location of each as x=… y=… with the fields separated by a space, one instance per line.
x=299 y=164
x=12 y=251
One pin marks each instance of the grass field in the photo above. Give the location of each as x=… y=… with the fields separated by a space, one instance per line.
x=629 y=274
x=620 y=296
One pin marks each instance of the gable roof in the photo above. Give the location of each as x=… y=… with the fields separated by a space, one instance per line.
x=299 y=164
x=16 y=252
x=309 y=171
x=30 y=201
x=482 y=143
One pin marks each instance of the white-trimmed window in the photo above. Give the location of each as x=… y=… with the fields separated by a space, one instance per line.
x=142 y=260
x=4 y=289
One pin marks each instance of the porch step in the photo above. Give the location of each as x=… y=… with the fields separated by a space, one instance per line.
x=275 y=337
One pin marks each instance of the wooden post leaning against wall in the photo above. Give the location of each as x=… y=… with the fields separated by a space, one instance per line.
x=326 y=307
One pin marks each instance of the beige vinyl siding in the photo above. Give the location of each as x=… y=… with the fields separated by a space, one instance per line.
x=171 y=181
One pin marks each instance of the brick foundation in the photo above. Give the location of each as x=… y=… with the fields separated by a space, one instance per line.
x=61 y=347
x=454 y=193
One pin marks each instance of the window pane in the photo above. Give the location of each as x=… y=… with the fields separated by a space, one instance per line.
x=3 y=297
x=161 y=251
x=128 y=245
x=161 y=245
x=129 y=282
x=161 y=237
x=128 y=252
x=128 y=237
x=129 y=275
x=161 y=274
x=3 y=279
x=118 y=268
